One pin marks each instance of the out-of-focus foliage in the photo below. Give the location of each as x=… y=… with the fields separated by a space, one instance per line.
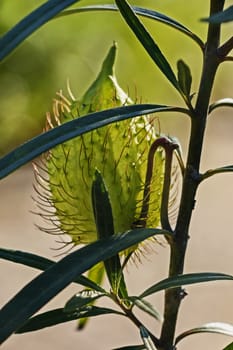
x=69 y=48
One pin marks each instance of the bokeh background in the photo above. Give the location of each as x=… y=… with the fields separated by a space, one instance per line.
x=73 y=48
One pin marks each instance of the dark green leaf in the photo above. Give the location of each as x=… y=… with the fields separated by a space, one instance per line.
x=225 y=102
x=157 y=16
x=146 y=307
x=82 y=299
x=149 y=345
x=49 y=283
x=211 y=172
x=181 y=280
x=229 y=347
x=105 y=228
x=214 y=327
x=102 y=207
x=41 y=263
x=147 y=41
x=221 y=17
x=69 y=130
x=184 y=78
x=31 y=23
x=54 y=317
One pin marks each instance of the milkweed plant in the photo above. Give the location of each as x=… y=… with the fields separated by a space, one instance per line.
x=110 y=185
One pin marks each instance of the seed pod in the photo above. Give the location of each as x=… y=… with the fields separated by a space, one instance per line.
x=118 y=151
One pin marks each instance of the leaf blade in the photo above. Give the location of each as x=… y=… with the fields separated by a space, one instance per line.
x=180 y=280
x=213 y=327
x=49 y=283
x=147 y=41
x=184 y=78
x=105 y=228
x=221 y=17
x=42 y=143
x=146 y=307
x=57 y=316
x=224 y=102
x=41 y=263
x=81 y=299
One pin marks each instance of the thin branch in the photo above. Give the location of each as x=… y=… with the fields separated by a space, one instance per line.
x=211 y=172
x=228 y=58
x=225 y=48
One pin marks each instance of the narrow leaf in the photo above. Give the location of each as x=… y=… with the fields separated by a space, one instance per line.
x=81 y=299
x=149 y=345
x=221 y=17
x=54 y=317
x=105 y=228
x=31 y=23
x=147 y=41
x=148 y=13
x=184 y=77
x=225 y=102
x=215 y=327
x=181 y=280
x=41 y=263
x=49 y=283
x=211 y=172
x=42 y=143
x=146 y=307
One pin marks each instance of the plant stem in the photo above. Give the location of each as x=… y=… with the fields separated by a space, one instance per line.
x=191 y=180
x=128 y=313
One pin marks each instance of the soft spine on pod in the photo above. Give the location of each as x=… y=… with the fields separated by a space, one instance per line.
x=118 y=151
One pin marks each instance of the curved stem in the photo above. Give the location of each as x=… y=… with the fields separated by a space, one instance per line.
x=169 y=149
x=169 y=146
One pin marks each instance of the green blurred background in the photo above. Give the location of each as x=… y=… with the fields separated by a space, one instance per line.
x=73 y=48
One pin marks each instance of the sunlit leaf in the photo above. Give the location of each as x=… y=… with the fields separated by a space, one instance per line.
x=214 y=327
x=181 y=280
x=221 y=17
x=54 y=317
x=82 y=299
x=49 y=283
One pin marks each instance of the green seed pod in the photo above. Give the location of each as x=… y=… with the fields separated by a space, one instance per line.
x=118 y=151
